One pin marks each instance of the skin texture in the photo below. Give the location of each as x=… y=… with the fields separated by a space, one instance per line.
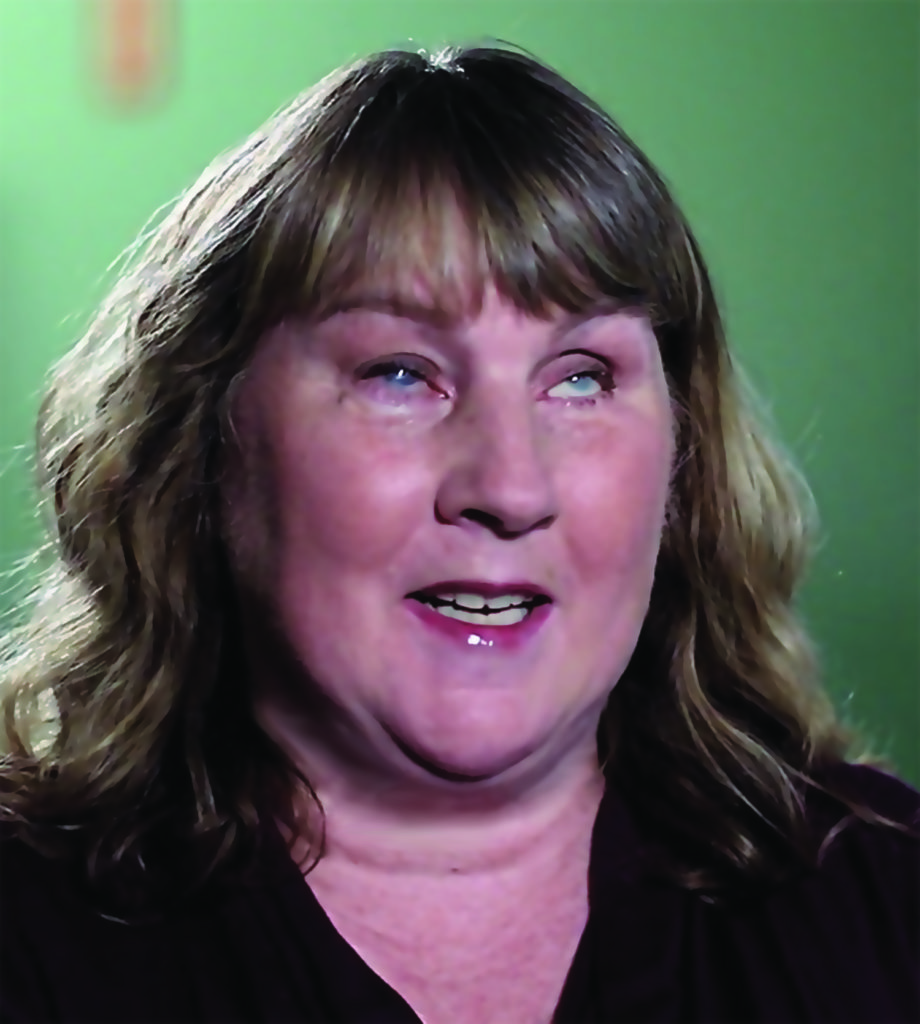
x=454 y=776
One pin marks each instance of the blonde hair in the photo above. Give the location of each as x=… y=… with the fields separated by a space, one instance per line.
x=476 y=164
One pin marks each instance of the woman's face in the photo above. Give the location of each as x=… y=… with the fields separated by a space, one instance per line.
x=451 y=526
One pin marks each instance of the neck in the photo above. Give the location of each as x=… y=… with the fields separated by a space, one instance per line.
x=388 y=818
x=458 y=829
x=467 y=904
x=385 y=814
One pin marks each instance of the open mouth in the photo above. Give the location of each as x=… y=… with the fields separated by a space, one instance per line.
x=476 y=609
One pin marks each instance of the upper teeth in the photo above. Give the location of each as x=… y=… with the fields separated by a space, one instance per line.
x=476 y=602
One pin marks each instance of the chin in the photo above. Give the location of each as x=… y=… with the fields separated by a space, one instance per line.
x=465 y=761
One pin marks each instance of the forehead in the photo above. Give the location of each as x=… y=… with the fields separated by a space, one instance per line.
x=430 y=262
x=431 y=249
x=421 y=305
x=414 y=296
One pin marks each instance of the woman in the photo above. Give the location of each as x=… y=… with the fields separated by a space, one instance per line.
x=413 y=538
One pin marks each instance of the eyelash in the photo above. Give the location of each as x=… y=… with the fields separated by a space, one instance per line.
x=602 y=375
x=391 y=366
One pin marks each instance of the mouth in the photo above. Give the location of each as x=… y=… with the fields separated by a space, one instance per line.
x=486 y=605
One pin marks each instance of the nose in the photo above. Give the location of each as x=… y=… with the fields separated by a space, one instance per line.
x=496 y=471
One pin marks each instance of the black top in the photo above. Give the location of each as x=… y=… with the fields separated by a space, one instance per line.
x=839 y=943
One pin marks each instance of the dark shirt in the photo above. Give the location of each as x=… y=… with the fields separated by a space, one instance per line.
x=839 y=943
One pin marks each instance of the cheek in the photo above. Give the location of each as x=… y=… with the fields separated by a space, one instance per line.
x=618 y=494
x=342 y=496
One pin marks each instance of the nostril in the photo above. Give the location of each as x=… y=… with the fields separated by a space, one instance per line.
x=477 y=515
x=501 y=527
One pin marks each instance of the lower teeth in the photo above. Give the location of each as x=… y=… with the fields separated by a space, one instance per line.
x=506 y=617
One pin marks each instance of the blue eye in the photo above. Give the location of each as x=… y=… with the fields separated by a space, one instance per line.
x=586 y=384
x=399 y=379
x=397 y=374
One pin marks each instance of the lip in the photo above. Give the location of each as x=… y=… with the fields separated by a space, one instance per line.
x=470 y=637
x=485 y=589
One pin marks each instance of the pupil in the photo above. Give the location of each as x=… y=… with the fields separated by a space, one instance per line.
x=402 y=376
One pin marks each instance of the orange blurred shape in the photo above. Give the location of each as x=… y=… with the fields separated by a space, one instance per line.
x=134 y=43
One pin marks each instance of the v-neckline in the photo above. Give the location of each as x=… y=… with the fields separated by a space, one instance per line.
x=360 y=994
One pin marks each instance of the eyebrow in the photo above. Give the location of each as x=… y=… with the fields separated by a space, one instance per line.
x=396 y=305
x=407 y=308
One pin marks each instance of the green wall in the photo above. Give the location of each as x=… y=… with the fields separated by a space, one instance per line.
x=789 y=130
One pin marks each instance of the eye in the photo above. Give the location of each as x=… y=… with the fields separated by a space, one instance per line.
x=397 y=374
x=400 y=377
x=585 y=384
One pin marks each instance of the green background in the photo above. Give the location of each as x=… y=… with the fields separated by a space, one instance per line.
x=789 y=131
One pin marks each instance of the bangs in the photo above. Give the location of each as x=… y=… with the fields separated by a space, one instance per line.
x=435 y=178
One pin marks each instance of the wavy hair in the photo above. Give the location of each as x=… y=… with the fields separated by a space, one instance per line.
x=473 y=165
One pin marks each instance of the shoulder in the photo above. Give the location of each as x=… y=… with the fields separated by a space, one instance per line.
x=34 y=909
x=53 y=941
x=874 y=789
x=836 y=940
x=869 y=822
x=227 y=952
x=839 y=940
x=851 y=923
x=62 y=959
x=868 y=819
